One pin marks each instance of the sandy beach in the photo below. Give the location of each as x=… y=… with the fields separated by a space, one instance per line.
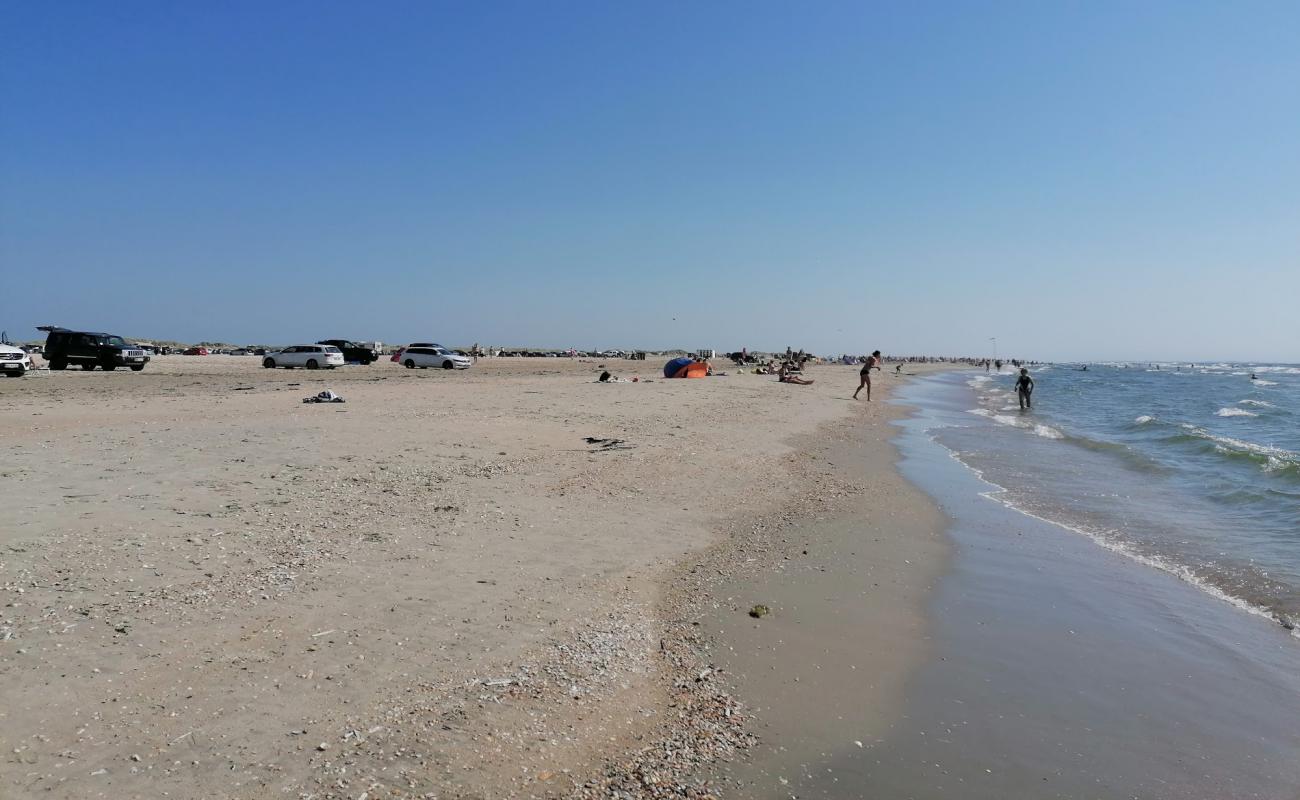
x=439 y=588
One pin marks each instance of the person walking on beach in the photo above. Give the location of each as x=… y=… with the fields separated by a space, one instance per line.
x=865 y=375
x=1025 y=389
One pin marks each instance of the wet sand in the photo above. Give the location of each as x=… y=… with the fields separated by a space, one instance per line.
x=1053 y=668
x=827 y=669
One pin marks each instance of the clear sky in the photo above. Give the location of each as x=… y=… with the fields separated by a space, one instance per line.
x=1078 y=179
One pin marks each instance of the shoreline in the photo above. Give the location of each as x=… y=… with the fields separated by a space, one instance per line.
x=1069 y=670
x=435 y=589
x=745 y=717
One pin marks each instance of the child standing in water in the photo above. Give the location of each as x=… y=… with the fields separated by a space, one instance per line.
x=1024 y=389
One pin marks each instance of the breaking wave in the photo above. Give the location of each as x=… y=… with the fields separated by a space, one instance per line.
x=1234 y=412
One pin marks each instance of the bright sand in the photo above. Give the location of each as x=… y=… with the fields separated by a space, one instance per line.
x=438 y=588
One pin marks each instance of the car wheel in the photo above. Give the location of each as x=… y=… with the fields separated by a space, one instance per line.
x=59 y=365
x=447 y=365
x=311 y=364
x=269 y=363
x=88 y=367
x=137 y=367
x=410 y=364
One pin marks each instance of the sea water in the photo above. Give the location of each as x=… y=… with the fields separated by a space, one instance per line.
x=1191 y=469
x=1152 y=666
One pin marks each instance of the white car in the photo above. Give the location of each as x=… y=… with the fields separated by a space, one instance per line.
x=308 y=356
x=14 y=361
x=427 y=354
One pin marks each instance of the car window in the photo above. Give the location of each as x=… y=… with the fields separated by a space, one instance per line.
x=332 y=349
x=294 y=349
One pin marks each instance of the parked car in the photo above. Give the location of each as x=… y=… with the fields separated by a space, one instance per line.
x=354 y=351
x=308 y=356
x=428 y=354
x=195 y=351
x=90 y=350
x=14 y=361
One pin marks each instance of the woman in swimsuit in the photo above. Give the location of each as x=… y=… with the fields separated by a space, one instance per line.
x=865 y=375
x=787 y=376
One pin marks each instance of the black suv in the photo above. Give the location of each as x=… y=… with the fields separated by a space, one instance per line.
x=90 y=350
x=354 y=351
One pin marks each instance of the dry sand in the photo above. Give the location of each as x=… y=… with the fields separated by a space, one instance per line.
x=437 y=589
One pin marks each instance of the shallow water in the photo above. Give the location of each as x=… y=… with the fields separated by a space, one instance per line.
x=1066 y=670
x=1192 y=470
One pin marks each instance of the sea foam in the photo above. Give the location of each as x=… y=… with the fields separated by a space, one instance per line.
x=1038 y=429
x=1234 y=412
x=1283 y=456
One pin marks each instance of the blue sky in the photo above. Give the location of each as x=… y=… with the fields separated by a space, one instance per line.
x=1080 y=180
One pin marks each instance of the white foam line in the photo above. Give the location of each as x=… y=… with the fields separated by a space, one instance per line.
x=1234 y=412
x=1045 y=431
x=1241 y=445
x=1179 y=571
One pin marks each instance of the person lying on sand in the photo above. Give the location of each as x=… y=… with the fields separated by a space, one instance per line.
x=787 y=376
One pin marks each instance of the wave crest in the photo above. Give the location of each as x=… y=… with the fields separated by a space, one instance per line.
x=1234 y=412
